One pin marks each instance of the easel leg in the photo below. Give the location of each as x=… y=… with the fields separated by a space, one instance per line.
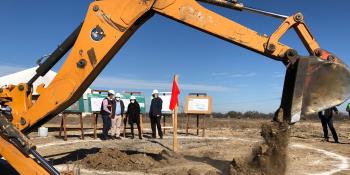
x=82 y=126
x=95 y=125
x=197 y=125
x=124 y=124
x=141 y=126
x=203 y=126
x=64 y=127
x=187 y=123
x=163 y=124
x=61 y=128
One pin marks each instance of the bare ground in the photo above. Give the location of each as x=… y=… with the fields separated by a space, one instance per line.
x=226 y=139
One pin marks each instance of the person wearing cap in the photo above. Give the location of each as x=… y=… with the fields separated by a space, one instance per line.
x=133 y=115
x=155 y=114
x=117 y=120
x=107 y=112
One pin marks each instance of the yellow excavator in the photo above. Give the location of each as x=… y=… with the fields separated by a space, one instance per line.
x=312 y=83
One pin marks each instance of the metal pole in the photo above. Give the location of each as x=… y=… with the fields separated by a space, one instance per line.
x=239 y=6
x=56 y=55
x=266 y=13
x=44 y=163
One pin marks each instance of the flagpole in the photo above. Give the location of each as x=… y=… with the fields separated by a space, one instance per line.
x=175 y=144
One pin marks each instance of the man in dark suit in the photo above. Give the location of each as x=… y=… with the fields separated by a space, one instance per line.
x=326 y=117
x=155 y=114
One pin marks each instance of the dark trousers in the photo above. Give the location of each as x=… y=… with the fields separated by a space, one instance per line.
x=138 y=128
x=155 y=123
x=106 y=125
x=328 y=121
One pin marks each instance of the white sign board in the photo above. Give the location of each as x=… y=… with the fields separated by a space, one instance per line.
x=96 y=104
x=198 y=104
x=165 y=96
x=126 y=103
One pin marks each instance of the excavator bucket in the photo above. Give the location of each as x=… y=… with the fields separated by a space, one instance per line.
x=312 y=85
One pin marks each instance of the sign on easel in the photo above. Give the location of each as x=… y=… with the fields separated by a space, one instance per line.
x=166 y=97
x=95 y=101
x=198 y=104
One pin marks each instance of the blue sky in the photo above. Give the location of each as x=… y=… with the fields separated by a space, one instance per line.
x=237 y=79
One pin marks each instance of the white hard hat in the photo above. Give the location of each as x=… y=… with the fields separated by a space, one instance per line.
x=132 y=98
x=155 y=91
x=117 y=95
x=111 y=92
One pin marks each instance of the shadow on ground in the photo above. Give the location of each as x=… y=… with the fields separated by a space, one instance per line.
x=221 y=165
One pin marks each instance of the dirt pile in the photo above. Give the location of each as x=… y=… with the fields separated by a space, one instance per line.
x=269 y=157
x=115 y=160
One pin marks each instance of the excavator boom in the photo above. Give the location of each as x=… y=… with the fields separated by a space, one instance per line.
x=110 y=23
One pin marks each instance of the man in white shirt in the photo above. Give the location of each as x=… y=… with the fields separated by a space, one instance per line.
x=117 y=120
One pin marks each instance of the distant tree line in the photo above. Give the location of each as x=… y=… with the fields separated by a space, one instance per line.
x=256 y=114
x=248 y=114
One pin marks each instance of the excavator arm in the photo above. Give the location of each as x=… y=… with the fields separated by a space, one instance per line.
x=110 y=23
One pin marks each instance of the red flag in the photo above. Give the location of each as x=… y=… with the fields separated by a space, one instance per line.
x=174 y=95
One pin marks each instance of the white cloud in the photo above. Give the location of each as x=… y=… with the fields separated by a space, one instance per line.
x=240 y=75
x=122 y=83
x=236 y=75
x=9 y=69
x=218 y=73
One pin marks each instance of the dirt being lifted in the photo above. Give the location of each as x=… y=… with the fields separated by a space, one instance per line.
x=269 y=157
x=114 y=160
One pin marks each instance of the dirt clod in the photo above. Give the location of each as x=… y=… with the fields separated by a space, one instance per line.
x=115 y=160
x=269 y=157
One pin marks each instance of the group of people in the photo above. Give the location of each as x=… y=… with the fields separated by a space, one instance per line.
x=113 y=113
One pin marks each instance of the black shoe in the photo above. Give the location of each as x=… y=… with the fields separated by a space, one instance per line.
x=161 y=137
x=114 y=137
x=103 y=138
x=336 y=141
x=118 y=138
x=140 y=137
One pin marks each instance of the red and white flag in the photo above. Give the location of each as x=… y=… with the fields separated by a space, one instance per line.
x=174 y=101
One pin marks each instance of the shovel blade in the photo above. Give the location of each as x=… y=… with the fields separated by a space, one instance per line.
x=312 y=85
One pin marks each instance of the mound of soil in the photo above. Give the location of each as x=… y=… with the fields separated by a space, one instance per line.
x=115 y=160
x=269 y=157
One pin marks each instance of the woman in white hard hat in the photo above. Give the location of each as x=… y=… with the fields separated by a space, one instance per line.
x=155 y=114
x=133 y=115
x=107 y=112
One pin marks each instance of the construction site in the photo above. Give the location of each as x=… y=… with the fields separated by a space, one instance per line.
x=80 y=111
